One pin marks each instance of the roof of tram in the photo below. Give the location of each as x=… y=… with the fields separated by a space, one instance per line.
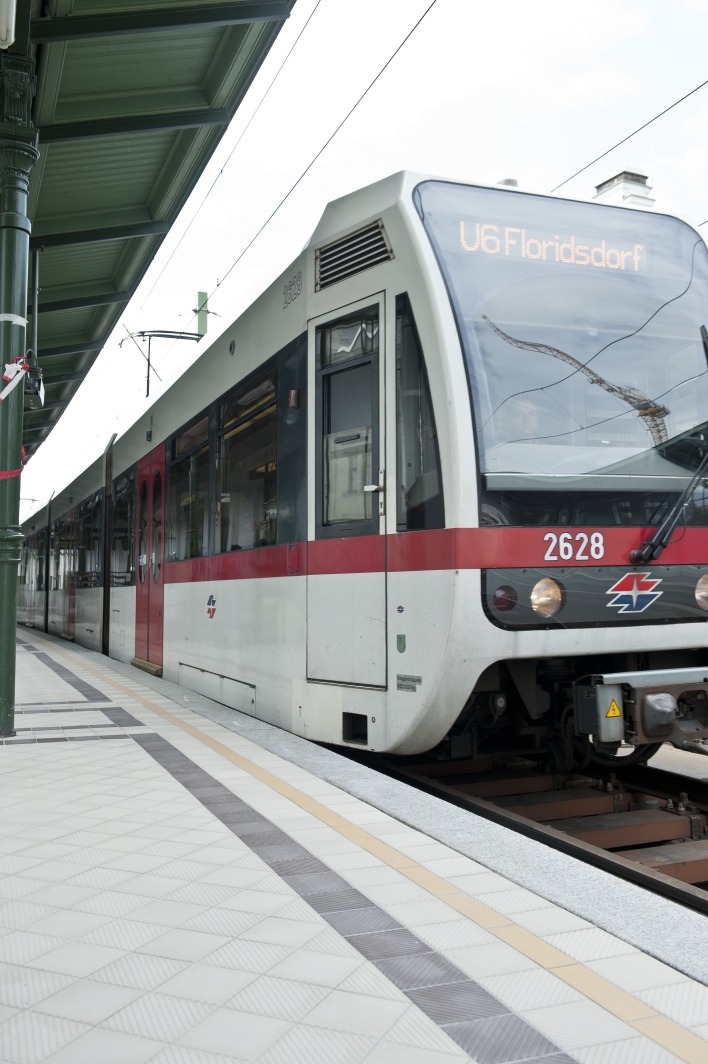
x=132 y=99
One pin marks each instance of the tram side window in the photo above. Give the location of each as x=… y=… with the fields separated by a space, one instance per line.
x=123 y=532
x=89 y=542
x=55 y=573
x=41 y=558
x=188 y=535
x=347 y=372
x=419 y=496
x=247 y=470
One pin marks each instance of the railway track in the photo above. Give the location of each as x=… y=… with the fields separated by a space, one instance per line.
x=643 y=824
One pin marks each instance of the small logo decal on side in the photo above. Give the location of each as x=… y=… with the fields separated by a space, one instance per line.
x=634 y=592
x=211 y=607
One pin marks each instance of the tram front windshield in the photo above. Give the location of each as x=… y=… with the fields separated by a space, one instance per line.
x=584 y=332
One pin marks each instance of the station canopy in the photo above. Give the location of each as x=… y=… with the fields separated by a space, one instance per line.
x=132 y=99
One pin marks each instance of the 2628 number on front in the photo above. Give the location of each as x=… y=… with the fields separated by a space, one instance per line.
x=566 y=547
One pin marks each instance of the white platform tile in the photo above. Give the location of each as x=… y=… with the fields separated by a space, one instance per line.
x=184 y=1055
x=579 y=1023
x=524 y=991
x=637 y=972
x=591 y=944
x=550 y=921
x=139 y=971
x=102 y=1046
x=391 y=1053
x=638 y=1050
x=317 y=968
x=227 y=1031
x=283 y=999
x=159 y=1016
x=512 y=901
x=454 y=935
x=30 y=1037
x=685 y=1002
x=308 y=1045
x=22 y=987
x=497 y=958
x=86 y=1001
x=415 y=1029
x=211 y=985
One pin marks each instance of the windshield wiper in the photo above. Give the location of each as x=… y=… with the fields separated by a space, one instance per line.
x=659 y=541
x=653 y=547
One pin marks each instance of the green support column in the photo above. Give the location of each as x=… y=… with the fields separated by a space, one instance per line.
x=18 y=154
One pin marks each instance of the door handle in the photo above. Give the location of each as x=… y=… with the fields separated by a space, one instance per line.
x=373 y=487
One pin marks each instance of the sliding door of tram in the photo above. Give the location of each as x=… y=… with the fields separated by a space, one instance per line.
x=149 y=621
x=346 y=582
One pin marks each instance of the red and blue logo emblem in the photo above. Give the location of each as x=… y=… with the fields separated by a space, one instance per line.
x=634 y=592
x=211 y=607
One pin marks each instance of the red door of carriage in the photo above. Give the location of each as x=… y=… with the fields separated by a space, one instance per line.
x=149 y=599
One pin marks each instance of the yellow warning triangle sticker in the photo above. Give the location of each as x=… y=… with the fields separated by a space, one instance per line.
x=614 y=710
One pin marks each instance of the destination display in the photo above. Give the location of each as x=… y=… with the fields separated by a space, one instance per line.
x=515 y=242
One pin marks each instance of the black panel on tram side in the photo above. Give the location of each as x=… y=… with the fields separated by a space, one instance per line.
x=419 y=498
x=292 y=441
x=122 y=551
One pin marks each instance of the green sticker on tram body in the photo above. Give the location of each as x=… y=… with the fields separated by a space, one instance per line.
x=401 y=644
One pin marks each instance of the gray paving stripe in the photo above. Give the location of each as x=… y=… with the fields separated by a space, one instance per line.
x=481 y=1024
x=91 y=694
x=64 y=739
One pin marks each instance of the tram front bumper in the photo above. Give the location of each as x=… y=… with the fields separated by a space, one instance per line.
x=660 y=705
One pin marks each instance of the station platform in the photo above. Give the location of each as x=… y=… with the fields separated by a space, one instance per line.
x=182 y=884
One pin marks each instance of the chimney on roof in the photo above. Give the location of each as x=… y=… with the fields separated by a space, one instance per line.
x=626 y=189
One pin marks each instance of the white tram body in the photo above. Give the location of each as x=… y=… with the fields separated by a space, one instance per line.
x=352 y=516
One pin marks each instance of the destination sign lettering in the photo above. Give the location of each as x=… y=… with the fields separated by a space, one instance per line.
x=515 y=243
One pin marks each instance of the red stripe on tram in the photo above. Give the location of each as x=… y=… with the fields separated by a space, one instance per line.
x=443 y=549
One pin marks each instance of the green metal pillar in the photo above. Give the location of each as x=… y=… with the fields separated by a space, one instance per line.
x=18 y=153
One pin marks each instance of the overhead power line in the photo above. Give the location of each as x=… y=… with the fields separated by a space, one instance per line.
x=625 y=139
x=326 y=144
x=230 y=155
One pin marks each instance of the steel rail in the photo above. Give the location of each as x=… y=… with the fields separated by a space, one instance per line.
x=674 y=889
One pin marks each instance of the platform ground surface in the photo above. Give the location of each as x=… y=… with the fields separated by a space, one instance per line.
x=172 y=891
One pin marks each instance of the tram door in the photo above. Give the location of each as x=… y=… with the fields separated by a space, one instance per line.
x=149 y=621
x=346 y=581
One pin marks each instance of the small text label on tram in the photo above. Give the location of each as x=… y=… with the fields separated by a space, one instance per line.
x=566 y=547
x=292 y=290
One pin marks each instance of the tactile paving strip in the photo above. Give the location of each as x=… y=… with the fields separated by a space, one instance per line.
x=477 y=1021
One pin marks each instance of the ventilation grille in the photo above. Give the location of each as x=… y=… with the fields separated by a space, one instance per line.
x=355 y=253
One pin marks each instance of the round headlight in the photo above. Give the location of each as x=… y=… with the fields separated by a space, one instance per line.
x=547 y=597
x=702 y=591
x=505 y=598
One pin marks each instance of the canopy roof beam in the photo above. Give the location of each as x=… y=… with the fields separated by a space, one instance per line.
x=101 y=300
x=71 y=349
x=76 y=27
x=99 y=236
x=120 y=127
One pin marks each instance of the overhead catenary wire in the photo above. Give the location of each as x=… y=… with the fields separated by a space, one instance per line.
x=629 y=137
x=229 y=156
x=326 y=144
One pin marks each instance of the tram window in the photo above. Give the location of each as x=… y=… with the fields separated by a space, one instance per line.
x=89 y=542
x=142 y=531
x=41 y=558
x=123 y=534
x=419 y=495
x=55 y=572
x=248 y=468
x=189 y=505
x=347 y=360
x=193 y=437
x=348 y=338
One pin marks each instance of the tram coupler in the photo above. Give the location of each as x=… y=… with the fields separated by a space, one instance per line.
x=650 y=706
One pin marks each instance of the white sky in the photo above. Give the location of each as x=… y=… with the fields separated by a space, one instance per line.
x=480 y=92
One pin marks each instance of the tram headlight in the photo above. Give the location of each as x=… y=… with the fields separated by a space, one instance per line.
x=702 y=591
x=505 y=598
x=547 y=597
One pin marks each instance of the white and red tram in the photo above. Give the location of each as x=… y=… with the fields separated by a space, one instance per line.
x=394 y=504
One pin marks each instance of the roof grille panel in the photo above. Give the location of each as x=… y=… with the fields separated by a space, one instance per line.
x=352 y=254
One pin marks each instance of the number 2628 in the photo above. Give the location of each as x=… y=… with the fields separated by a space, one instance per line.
x=574 y=548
